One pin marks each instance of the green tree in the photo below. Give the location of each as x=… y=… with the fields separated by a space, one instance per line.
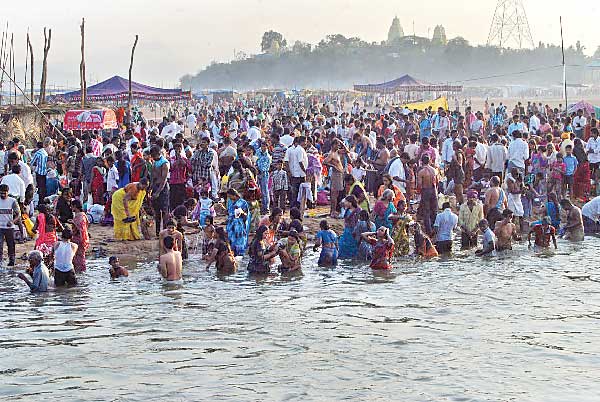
x=272 y=42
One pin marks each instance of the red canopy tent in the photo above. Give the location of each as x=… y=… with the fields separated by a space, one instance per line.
x=117 y=88
x=90 y=120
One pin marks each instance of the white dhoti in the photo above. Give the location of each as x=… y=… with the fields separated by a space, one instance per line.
x=515 y=205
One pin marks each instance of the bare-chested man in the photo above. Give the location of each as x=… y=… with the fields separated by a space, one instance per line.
x=427 y=182
x=334 y=161
x=159 y=187
x=170 y=231
x=495 y=202
x=170 y=263
x=505 y=231
x=574 y=227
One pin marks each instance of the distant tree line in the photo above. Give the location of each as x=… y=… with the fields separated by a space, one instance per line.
x=338 y=62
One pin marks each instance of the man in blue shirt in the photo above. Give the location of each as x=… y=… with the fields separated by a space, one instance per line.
x=39 y=163
x=39 y=273
x=515 y=125
x=571 y=165
x=425 y=126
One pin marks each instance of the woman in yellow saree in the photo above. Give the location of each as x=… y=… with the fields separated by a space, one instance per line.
x=125 y=209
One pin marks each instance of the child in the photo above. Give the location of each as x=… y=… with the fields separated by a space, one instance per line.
x=146 y=221
x=171 y=230
x=328 y=240
x=571 y=163
x=209 y=237
x=116 y=270
x=557 y=172
x=304 y=195
x=203 y=209
x=280 y=186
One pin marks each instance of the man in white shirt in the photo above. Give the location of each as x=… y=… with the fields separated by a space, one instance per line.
x=579 y=123
x=534 y=123
x=593 y=149
x=170 y=130
x=448 y=148
x=16 y=185
x=518 y=152
x=480 y=159
x=497 y=156
x=590 y=213
x=191 y=122
x=254 y=132
x=396 y=171
x=297 y=162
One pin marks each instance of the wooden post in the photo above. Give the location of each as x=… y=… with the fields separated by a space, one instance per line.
x=129 y=99
x=83 y=82
x=31 y=67
x=26 y=64
x=2 y=64
x=47 y=39
x=12 y=51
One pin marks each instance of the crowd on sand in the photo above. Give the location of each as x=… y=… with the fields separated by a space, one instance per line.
x=249 y=175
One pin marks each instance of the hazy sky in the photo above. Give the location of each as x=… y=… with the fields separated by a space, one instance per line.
x=183 y=36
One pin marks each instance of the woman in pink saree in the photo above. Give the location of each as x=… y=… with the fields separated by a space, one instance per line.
x=80 y=235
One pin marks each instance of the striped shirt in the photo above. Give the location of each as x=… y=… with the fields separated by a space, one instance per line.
x=40 y=160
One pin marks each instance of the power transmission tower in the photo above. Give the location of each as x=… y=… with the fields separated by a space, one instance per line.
x=510 y=27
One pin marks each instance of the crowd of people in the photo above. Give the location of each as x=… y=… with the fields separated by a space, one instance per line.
x=403 y=182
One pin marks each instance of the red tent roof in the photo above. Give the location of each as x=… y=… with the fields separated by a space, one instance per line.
x=117 y=88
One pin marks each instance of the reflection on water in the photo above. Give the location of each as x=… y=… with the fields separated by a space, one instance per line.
x=522 y=326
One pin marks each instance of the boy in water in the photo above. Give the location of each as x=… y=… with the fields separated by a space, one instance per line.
x=170 y=263
x=171 y=230
x=489 y=240
x=116 y=270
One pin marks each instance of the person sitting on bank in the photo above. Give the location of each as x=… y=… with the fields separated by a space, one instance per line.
x=170 y=263
x=116 y=270
x=38 y=271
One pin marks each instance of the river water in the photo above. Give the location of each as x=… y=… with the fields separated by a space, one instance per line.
x=520 y=327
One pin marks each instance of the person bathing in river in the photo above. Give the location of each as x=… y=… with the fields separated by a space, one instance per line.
x=328 y=241
x=116 y=270
x=170 y=263
x=383 y=247
x=505 y=231
x=544 y=232
x=38 y=271
x=489 y=240
x=171 y=231
x=574 y=226
x=290 y=253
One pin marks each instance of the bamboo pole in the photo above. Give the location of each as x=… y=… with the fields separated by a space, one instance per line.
x=2 y=51
x=47 y=39
x=26 y=63
x=12 y=51
x=130 y=97
x=31 y=67
x=83 y=82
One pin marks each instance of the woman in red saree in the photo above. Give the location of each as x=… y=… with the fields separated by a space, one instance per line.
x=80 y=235
x=582 y=177
x=98 y=185
x=45 y=226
